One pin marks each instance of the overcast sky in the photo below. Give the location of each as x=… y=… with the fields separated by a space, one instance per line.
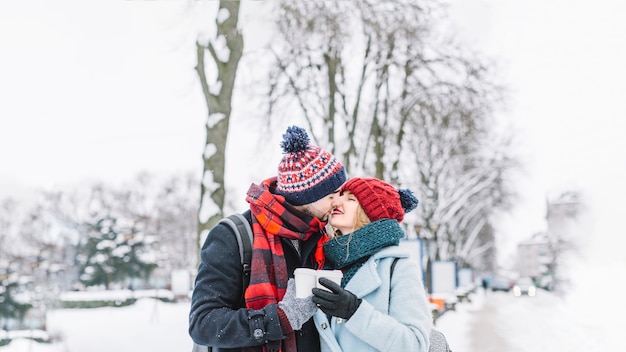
x=564 y=61
x=97 y=90
x=100 y=90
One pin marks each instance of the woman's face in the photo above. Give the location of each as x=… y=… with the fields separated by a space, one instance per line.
x=344 y=212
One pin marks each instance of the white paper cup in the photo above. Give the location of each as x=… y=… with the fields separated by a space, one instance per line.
x=306 y=279
x=333 y=275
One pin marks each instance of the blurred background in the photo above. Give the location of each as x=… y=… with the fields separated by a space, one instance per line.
x=128 y=128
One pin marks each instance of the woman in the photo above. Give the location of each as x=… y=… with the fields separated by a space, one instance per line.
x=373 y=309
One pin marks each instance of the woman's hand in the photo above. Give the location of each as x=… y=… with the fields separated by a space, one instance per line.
x=338 y=302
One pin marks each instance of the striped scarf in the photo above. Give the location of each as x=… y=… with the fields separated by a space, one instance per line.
x=273 y=218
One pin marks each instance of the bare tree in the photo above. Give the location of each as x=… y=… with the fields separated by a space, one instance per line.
x=225 y=50
x=160 y=212
x=350 y=65
x=166 y=209
x=8 y=211
x=175 y=222
x=49 y=245
x=376 y=83
x=462 y=169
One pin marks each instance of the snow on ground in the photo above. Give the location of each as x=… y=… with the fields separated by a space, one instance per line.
x=148 y=325
x=587 y=319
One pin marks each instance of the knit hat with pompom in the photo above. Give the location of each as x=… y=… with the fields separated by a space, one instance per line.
x=306 y=173
x=381 y=200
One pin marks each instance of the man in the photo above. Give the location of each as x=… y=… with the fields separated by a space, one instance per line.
x=288 y=215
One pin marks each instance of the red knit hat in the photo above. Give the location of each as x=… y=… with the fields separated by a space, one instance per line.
x=379 y=199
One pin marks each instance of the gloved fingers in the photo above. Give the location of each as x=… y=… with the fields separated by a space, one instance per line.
x=325 y=294
x=325 y=303
x=330 y=284
x=328 y=310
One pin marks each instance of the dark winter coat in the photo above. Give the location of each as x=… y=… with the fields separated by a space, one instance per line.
x=216 y=317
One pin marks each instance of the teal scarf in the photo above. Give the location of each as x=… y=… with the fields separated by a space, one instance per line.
x=349 y=252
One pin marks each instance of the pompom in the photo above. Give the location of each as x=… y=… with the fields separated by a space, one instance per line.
x=408 y=200
x=295 y=140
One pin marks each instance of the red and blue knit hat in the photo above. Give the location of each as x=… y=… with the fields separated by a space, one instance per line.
x=379 y=199
x=307 y=173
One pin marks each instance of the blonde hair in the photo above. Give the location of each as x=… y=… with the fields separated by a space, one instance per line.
x=361 y=218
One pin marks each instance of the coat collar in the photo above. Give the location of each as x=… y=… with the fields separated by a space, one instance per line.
x=369 y=277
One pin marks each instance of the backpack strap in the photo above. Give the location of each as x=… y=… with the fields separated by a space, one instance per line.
x=243 y=232
x=393 y=266
x=438 y=342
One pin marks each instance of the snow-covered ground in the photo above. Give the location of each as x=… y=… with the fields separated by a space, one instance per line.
x=585 y=320
x=498 y=321
x=148 y=325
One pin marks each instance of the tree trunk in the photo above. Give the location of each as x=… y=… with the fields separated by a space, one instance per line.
x=218 y=97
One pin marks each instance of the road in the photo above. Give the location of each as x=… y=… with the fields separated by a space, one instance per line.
x=499 y=321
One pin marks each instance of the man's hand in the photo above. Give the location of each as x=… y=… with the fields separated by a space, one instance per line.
x=338 y=303
x=298 y=310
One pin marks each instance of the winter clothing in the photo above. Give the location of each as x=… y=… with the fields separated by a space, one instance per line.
x=306 y=173
x=370 y=310
x=271 y=214
x=285 y=238
x=379 y=199
x=350 y=252
x=273 y=219
x=394 y=314
x=298 y=310
x=338 y=302
x=216 y=319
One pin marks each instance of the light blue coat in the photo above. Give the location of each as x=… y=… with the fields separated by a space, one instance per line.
x=402 y=323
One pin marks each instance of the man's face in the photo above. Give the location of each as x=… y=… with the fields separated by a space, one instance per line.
x=320 y=208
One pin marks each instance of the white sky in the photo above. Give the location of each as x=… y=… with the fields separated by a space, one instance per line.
x=97 y=90
x=100 y=90
x=564 y=62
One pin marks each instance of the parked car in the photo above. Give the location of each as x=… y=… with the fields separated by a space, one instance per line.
x=546 y=283
x=524 y=286
x=500 y=283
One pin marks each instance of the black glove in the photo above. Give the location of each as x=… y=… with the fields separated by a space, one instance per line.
x=338 y=303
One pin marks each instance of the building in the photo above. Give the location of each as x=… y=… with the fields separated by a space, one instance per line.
x=540 y=256
x=534 y=256
x=562 y=214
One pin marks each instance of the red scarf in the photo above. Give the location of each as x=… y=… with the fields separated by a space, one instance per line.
x=268 y=278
